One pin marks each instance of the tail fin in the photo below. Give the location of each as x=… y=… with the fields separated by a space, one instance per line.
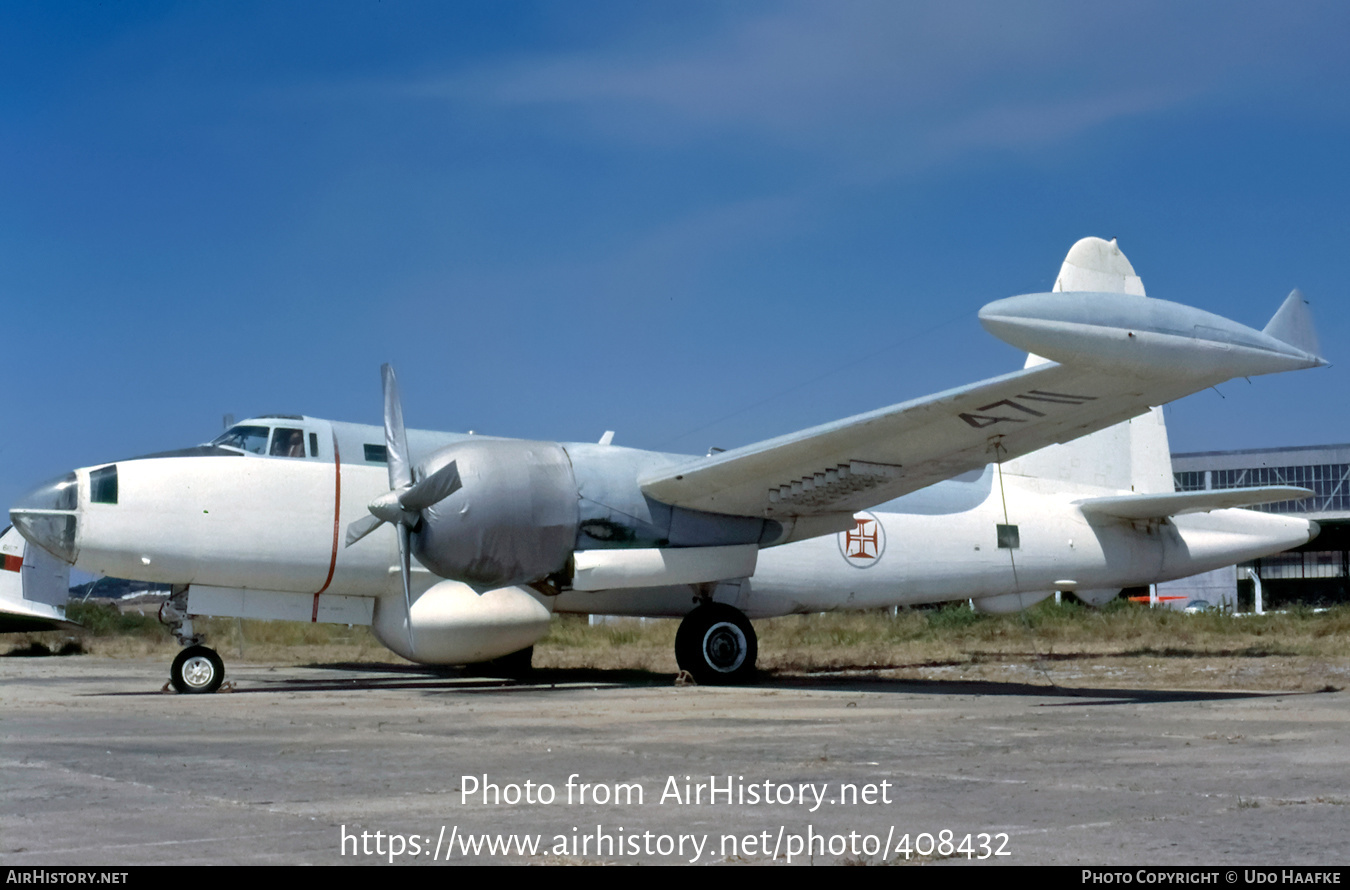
x=1094 y=266
x=1099 y=266
x=1130 y=456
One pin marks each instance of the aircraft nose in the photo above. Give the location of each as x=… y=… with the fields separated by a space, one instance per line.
x=1313 y=530
x=46 y=516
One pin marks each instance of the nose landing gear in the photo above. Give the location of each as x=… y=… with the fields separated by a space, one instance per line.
x=197 y=669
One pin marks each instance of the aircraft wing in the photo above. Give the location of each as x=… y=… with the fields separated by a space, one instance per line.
x=1114 y=356
x=861 y=461
x=1160 y=506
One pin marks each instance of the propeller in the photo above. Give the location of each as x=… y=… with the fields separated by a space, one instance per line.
x=403 y=503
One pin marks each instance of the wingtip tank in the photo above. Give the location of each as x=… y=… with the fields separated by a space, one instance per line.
x=1145 y=337
x=1099 y=315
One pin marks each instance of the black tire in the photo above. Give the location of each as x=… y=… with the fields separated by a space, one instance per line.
x=717 y=645
x=197 y=670
x=515 y=666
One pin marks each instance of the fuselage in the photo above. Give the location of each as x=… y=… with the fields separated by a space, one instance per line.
x=943 y=544
x=268 y=514
x=249 y=514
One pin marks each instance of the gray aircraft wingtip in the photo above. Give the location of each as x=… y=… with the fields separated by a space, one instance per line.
x=1292 y=324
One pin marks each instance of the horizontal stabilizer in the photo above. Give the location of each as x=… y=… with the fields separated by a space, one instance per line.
x=1293 y=324
x=1160 y=506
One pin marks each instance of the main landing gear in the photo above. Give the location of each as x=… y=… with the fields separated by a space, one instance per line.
x=717 y=645
x=197 y=669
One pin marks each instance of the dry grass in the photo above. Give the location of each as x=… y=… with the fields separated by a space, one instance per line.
x=109 y=633
x=1122 y=645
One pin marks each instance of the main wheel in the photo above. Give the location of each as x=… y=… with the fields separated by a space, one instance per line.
x=717 y=645
x=513 y=667
x=197 y=669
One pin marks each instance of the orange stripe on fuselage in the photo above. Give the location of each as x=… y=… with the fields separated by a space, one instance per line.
x=337 y=524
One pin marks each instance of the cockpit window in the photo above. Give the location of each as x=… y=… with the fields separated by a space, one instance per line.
x=103 y=485
x=252 y=439
x=288 y=443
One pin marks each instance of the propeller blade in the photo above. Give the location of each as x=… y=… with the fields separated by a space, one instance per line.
x=405 y=565
x=362 y=527
x=433 y=489
x=395 y=436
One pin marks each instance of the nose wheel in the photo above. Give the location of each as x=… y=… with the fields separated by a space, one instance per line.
x=717 y=645
x=197 y=669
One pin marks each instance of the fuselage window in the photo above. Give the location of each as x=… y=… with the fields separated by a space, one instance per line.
x=377 y=454
x=313 y=444
x=288 y=443
x=252 y=439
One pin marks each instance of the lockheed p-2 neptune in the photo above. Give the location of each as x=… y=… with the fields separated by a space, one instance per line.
x=284 y=517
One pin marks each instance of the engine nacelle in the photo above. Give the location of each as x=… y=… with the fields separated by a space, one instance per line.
x=454 y=624
x=514 y=520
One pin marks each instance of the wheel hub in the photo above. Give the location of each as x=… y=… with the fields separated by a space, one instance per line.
x=198 y=671
x=724 y=647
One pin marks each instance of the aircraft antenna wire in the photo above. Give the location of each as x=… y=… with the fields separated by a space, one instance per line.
x=999 y=452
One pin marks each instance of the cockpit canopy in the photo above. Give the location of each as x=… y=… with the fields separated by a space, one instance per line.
x=280 y=440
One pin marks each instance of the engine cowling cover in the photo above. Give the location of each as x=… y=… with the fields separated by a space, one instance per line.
x=513 y=521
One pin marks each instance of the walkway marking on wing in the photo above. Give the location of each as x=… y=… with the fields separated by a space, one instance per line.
x=980 y=421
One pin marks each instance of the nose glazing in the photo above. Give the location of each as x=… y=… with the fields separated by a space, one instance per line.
x=46 y=516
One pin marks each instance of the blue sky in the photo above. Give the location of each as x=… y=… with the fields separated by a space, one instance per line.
x=694 y=224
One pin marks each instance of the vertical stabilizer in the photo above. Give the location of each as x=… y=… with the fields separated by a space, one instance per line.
x=1095 y=266
x=1130 y=456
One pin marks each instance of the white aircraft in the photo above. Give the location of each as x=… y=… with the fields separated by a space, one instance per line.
x=274 y=519
x=34 y=587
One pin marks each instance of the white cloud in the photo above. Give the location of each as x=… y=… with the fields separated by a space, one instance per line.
x=884 y=85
